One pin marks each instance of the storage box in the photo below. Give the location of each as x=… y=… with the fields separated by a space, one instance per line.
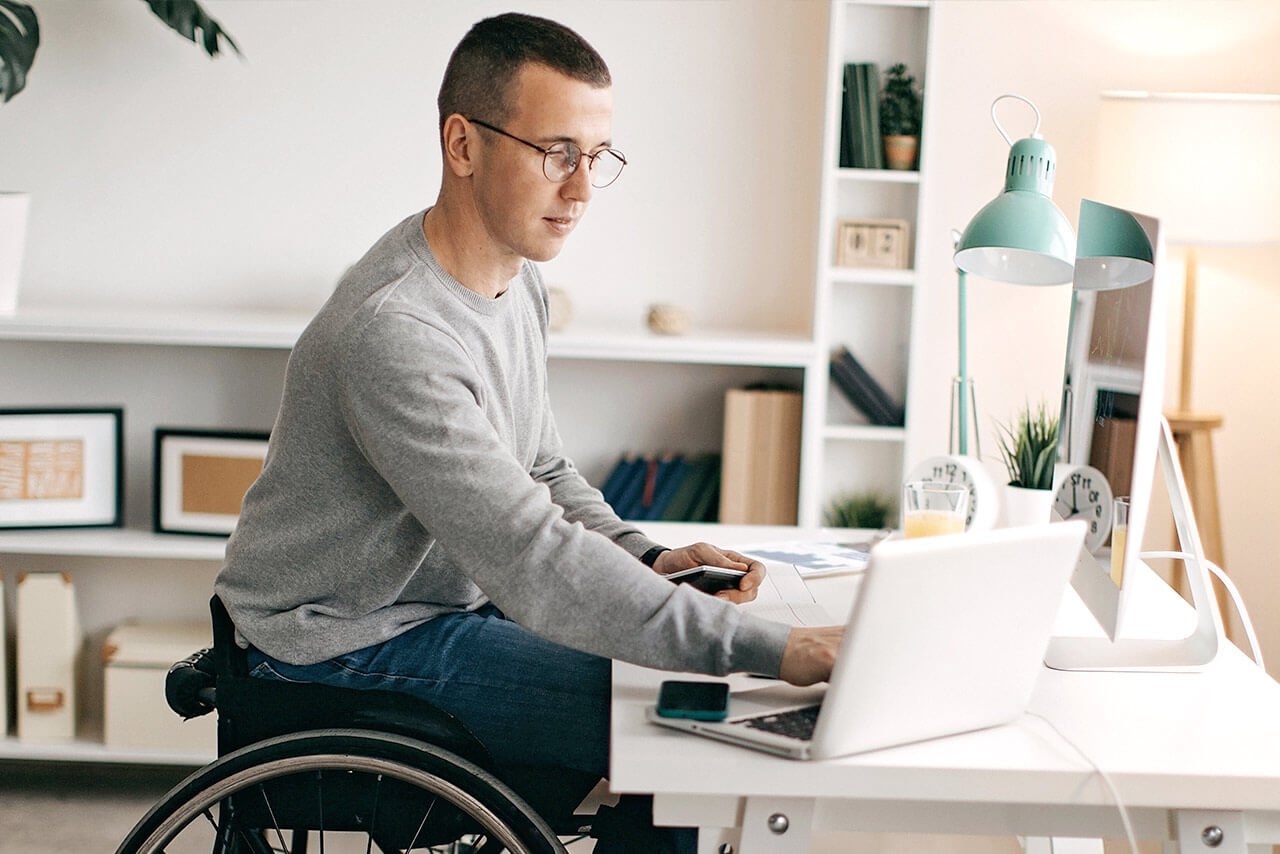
x=136 y=658
x=48 y=641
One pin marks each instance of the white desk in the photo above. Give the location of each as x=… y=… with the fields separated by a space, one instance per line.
x=1186 y=752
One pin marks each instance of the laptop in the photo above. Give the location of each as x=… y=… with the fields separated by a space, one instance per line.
x=947 y=635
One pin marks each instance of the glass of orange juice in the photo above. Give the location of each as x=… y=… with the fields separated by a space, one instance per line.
x=1119 y=534
x=930 y=508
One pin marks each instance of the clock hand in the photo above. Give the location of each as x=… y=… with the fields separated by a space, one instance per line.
x=1074 y=508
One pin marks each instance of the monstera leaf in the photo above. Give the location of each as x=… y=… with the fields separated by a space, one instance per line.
x=20 y=36
x=186 y=17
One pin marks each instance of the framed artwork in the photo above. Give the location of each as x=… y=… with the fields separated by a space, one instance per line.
x=201 y=477
x=873 y=243
x=61 y=468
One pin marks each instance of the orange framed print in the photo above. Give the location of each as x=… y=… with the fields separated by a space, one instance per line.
x=201 y=477
x=61 y=468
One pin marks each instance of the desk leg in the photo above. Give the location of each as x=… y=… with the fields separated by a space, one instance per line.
x=1204 y=831
x=1060 y=845
x=776 y=825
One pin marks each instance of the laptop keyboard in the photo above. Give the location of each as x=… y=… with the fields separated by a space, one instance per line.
x=797 y=723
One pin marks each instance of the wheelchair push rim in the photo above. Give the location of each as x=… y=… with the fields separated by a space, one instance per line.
x=466 y=788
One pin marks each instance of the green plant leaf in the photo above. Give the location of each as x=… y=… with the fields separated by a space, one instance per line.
x=19 y=38
x=186 y=18
x=1030 y=448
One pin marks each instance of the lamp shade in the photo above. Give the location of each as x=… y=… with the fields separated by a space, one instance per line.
x=1203 y=163
x=1113 y=251
x=1021 y=236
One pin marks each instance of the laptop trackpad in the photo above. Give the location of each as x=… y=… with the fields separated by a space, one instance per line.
x=772 y=697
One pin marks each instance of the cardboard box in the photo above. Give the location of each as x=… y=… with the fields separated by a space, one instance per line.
x=760 y=478
x=136 y=658
x=48 y=641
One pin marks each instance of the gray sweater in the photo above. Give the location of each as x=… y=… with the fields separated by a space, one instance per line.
x=415 y=470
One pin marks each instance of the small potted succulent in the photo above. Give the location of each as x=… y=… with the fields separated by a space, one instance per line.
x=1029 y=448
x=858 y=510
x=901 y=113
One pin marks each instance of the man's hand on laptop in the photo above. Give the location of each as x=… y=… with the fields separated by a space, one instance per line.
x=705 y=554
x=809 y=654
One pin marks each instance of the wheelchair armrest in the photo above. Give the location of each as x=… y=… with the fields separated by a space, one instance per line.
x=190 y=684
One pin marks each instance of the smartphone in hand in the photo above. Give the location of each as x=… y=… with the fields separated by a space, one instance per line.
x=709 y=579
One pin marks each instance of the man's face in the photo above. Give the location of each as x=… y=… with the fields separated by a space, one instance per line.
x=525 y=214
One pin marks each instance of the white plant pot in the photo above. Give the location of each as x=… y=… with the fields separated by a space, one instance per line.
x=1026 y=506
x=13 y=237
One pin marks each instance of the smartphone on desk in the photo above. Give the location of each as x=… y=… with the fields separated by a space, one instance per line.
x=700 y=701
x=709 y=579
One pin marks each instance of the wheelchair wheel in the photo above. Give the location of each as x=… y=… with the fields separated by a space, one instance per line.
x=380 y=791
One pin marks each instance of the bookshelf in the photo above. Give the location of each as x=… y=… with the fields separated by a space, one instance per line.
x=175 y=366
x=870 y=311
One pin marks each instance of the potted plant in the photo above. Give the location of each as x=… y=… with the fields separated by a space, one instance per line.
x=901 y=112
x=858 y=510
x=19 y=40
x=20 y=36
x=1029 y=448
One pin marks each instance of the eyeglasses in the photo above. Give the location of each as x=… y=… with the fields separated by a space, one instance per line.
x=561 y=160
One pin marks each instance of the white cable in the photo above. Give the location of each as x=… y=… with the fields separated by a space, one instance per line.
x=1254 y=648
x=1106 y=779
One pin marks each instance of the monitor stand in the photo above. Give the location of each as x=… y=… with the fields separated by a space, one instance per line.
x=1190 y=653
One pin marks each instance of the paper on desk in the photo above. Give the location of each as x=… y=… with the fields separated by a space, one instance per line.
x=813 y=558
x=784 y=598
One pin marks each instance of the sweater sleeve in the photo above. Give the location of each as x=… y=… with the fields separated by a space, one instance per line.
x=580 y=500
x=415 y=407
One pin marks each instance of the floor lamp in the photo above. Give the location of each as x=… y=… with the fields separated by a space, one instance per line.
x=1202 y=163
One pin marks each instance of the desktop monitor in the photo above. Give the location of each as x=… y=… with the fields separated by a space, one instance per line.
x=1113 y=385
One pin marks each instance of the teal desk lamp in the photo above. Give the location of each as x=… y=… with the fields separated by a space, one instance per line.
x=1019 y=237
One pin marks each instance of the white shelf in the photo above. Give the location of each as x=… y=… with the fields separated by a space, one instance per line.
x=871 y=276
x=884 y=176
x=704 y=347
x=266 y=329
x=83 y=750
x=863 y=433
x=189 y=327
x=112 y=543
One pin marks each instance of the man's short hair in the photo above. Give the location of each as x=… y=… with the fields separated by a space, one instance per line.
x=479 y=81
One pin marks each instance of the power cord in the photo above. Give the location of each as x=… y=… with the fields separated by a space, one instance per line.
x=1106 y=780
x=1254 y=649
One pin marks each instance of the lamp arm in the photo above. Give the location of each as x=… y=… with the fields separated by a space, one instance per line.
x=963 y=362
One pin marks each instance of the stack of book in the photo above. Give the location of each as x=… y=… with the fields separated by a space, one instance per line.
x=665 y=487
x=861 y=390
x=761 y=479
x=860 y=146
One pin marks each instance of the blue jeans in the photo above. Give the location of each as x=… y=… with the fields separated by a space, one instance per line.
x=528 y=700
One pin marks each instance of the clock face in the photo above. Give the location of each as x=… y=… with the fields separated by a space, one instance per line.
x=968 y=472
x=1084 y=493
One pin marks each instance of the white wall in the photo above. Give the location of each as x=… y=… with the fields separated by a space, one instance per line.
x=1062 y=55
x=160 y=176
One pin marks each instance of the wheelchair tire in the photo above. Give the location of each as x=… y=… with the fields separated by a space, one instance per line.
x=336 y=781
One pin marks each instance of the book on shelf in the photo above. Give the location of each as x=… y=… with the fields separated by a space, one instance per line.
x=862 y=390
x=860 y=146
x=698 y=482
x=668 y=487
x=760 y=474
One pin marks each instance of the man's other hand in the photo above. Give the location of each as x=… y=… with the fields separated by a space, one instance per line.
x=705 y=554
x=810 y=654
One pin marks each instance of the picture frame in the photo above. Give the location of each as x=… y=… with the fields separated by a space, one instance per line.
x=875 y=243
x=201 y=476
x=62 y=468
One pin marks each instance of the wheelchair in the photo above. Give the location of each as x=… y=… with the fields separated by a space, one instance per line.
x=357 y=770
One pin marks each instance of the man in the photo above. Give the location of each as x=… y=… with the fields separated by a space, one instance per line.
x=416 y=526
